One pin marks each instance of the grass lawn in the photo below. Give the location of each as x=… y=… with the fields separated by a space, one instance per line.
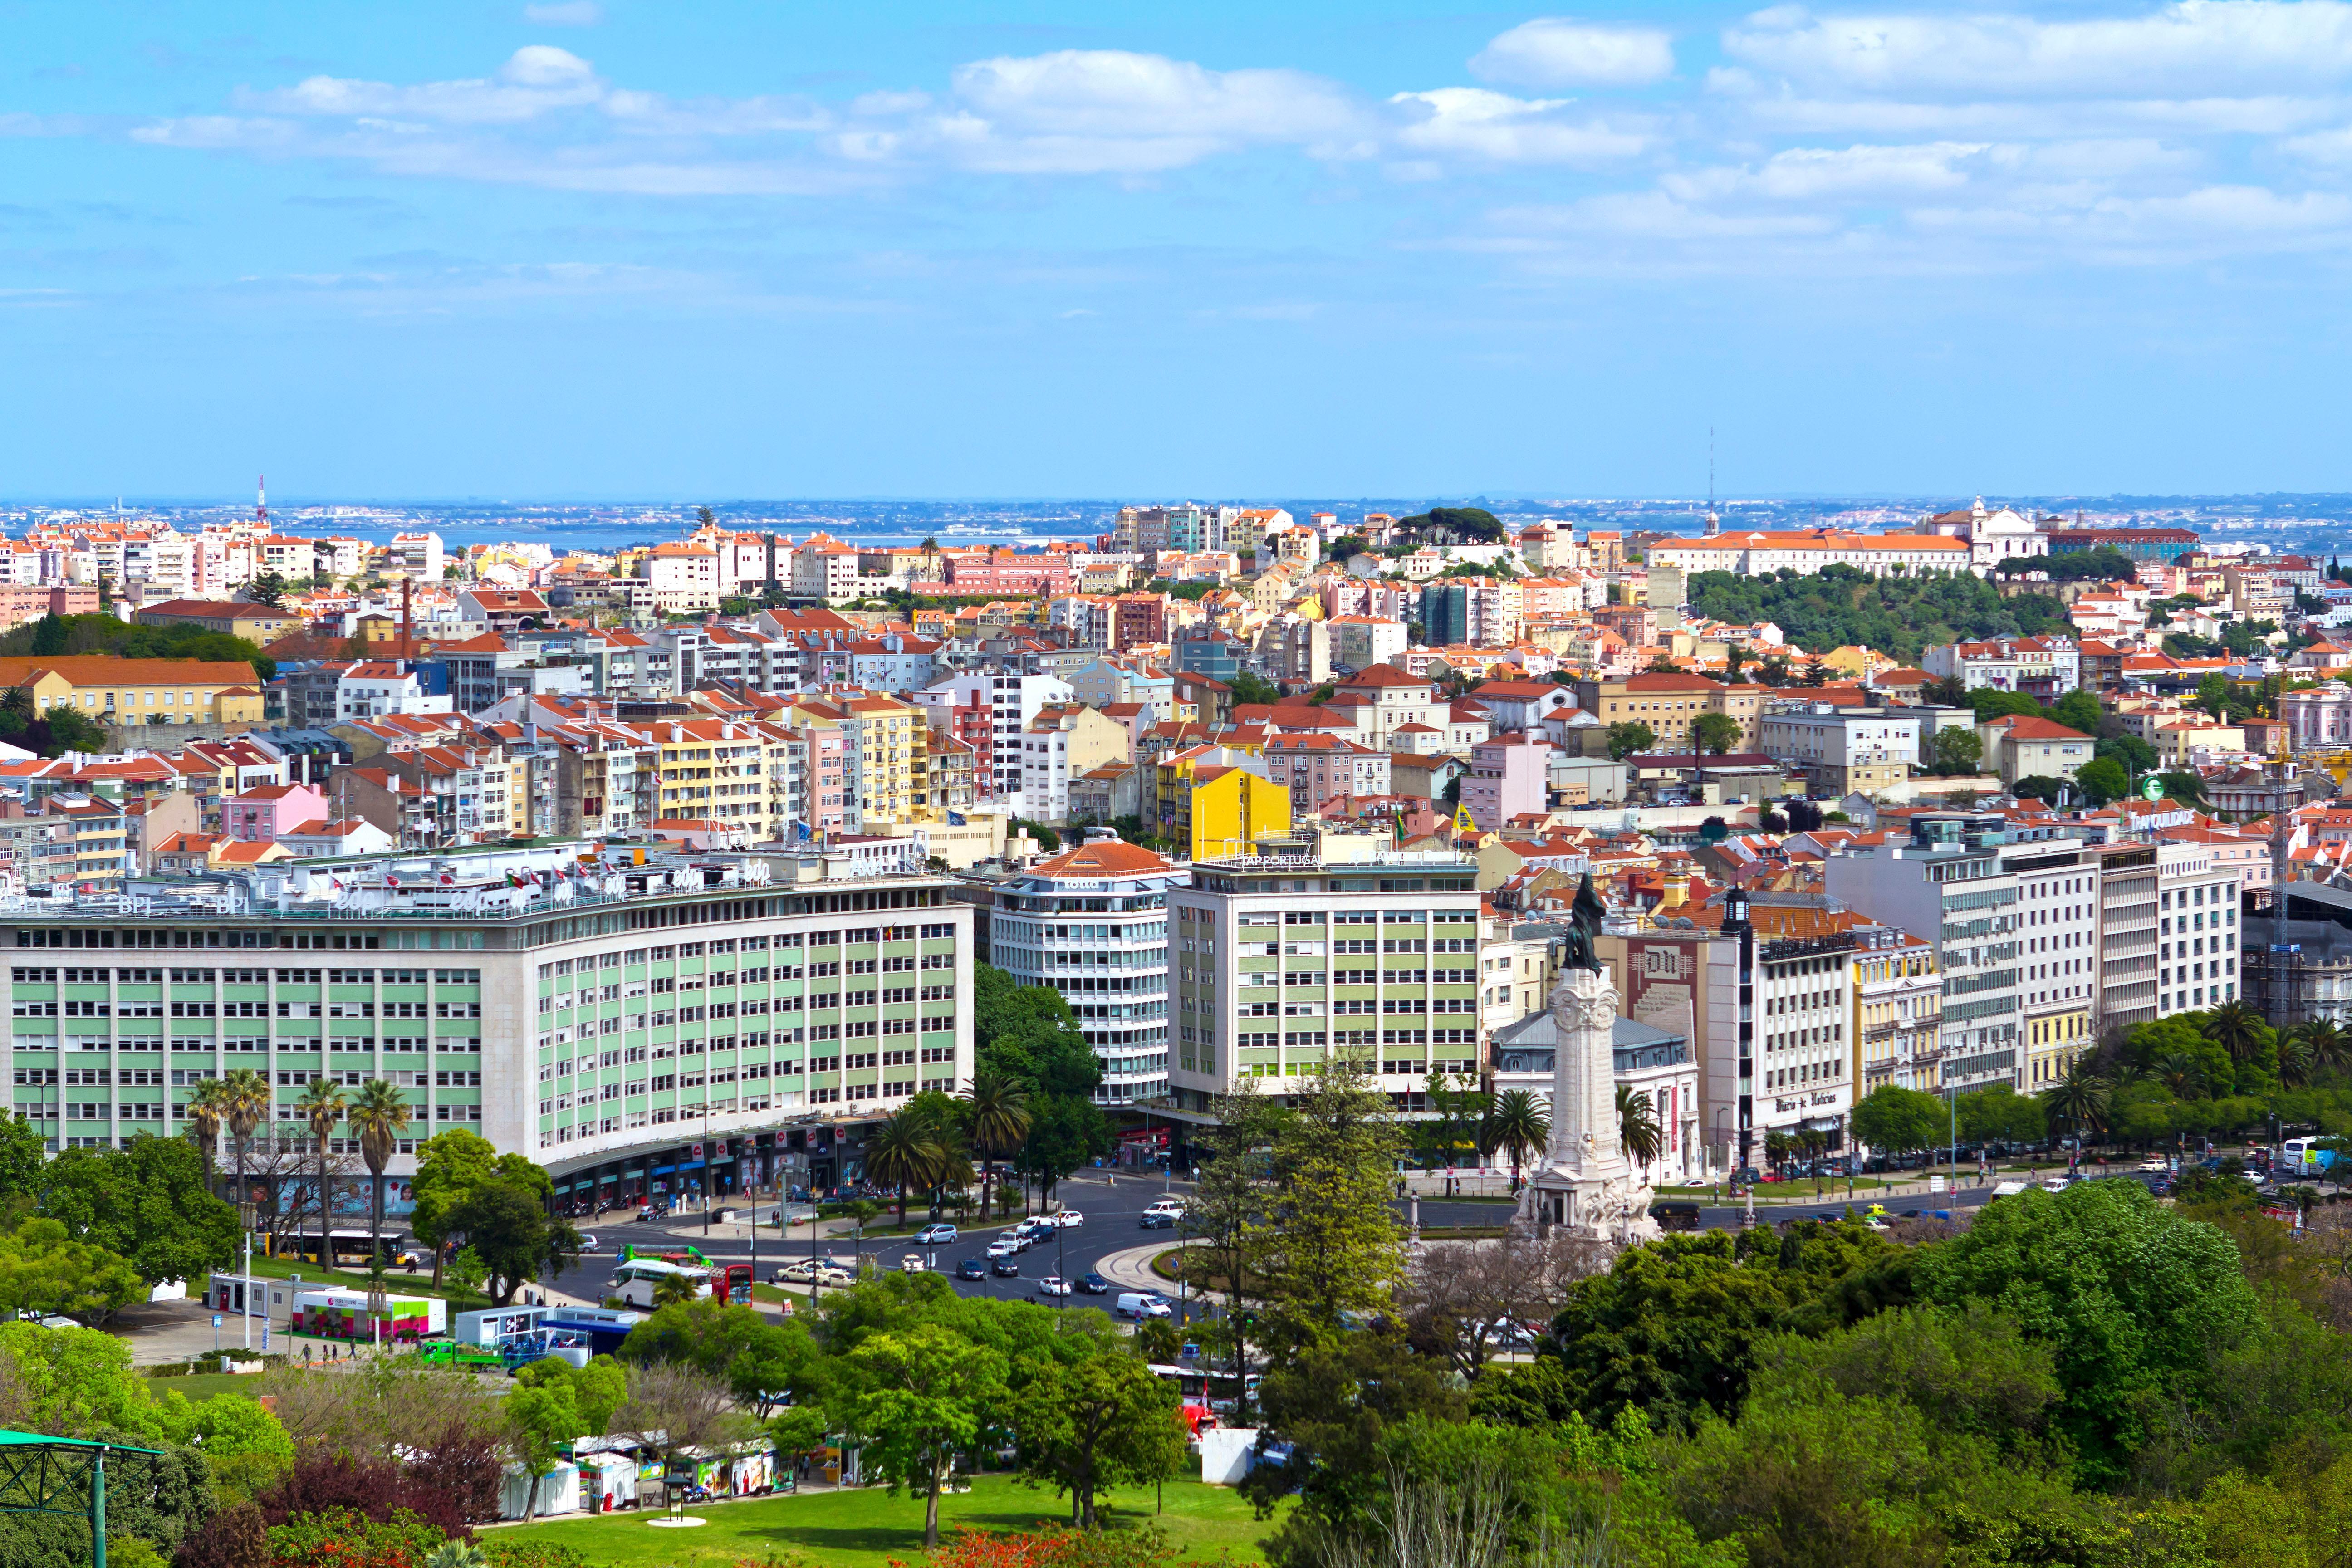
x=867 y=1529
x=204 y=1386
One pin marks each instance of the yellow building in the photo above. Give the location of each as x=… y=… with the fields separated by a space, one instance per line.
x=1898 y=1007
x=714 y=770
x=884 y=733
x=2052 y=1041
x=1219 y=808
x=110 y=690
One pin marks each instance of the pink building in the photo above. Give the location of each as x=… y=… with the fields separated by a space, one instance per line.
x=1314 y=767
x=1036 y=576
x=1506 y=778
x=272 y=811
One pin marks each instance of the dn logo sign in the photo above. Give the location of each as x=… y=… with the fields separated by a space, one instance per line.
x=1662 y=962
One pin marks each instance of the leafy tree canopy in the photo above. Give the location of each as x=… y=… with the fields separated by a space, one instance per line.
x=1898 y=616
x=1456 y=525
x=101 y=634
x=147 y=1202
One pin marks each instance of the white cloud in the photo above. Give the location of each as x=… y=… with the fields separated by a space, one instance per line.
x=1816 y=174
x=1558 y=51
x=1471 y=123
x=536 y=79
x=2199 y=48
x=565 y=13
x=1110 y=111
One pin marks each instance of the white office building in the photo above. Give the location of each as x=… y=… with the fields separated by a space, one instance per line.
x=1093 y=924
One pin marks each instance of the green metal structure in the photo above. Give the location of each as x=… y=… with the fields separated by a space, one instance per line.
x=41 y=1474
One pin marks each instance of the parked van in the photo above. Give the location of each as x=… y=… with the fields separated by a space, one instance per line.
x=1138 y=1305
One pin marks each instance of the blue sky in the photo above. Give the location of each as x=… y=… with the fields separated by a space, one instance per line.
x=686 y=249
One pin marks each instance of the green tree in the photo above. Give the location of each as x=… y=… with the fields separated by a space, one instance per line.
x=1104 y=1421
x=449 y=1166
x=1714 y=732
x=2135 y=754
x=1637 y=1127
x=1330 y=1249
x=1999 y=1112
x=144 y=1202
x=504 y=1223
x=921 y=1397
x=1629 y=738
x=2135 y=1301
x=903 y=1151
x=1231 y=1201
x=74 y=1382
x=379 y=1115
x=2213 y=696
x=2103 y=779
x=996 y=1120
x=2080 y=1099
x=761 y=1360
x=543 y=1420
x=269 y=588
x=1521 y=1126
x=48 y=636
x=1676 y=1329
x=44 y=1270
x=2078 y=710
x=24 y=1157
x=322 y=1105
x=1254 y=690
x=598 y=1390
x=1900 y=1121
x=1957 y=750
x=245 y=1102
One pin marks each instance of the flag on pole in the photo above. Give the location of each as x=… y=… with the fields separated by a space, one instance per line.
x=1462 y=823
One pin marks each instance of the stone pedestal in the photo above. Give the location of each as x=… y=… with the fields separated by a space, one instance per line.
x=1585 y=1185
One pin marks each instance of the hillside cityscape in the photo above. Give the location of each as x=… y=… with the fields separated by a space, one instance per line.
x=1152 y=787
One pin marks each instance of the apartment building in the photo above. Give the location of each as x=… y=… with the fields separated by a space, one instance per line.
x=2198 y=898
x=1283 y=964
x=1898 y=996
x=1092 y=924
x=2059 y=911
x=1011 y=702
x=1948 y=883
x=1843 y=749
x=616 y=1028
x=139 y=691
x=2128 y=968
x=1667 y=704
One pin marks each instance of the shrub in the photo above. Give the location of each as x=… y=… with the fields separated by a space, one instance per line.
x=346 y=1537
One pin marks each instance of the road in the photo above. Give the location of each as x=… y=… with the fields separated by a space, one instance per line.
x=1112 y=1210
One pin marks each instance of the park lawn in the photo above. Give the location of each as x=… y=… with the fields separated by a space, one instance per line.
x=204 y=1386
x=868 y=1528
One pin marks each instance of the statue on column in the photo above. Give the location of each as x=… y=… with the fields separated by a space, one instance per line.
x=1585 y=1185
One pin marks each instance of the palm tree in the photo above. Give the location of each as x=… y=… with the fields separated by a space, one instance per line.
x=379 y=1115
x=207 y=1109
x=2328 y=1043
x=2236 y=1029
x=245 y=1103
x=2080 y=1097
x=1520 y=1125
x=323 y=1104
x=676 y=1290
x=1637 y=1129
x=2179 y=1072
x=903 y=1151
x=996 y=1118
x=2294 y=1059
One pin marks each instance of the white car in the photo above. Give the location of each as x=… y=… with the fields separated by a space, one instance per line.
x=1002 y=1247
x=1067 y=1219
x=1053 y=1285
x=912 y=1263
x=1166 y=1206
x=587 y=1243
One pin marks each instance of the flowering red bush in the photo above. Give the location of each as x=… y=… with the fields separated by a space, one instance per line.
x=1143 y=1548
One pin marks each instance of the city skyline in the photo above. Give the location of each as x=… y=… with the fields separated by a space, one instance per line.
x=575 y=249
